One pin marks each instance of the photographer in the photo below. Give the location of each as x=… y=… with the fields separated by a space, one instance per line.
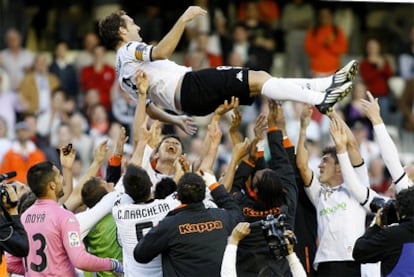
x=13 y=238
x=228 y=266
x=392 y=245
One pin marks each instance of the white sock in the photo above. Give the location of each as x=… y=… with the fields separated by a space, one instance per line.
x=318 y=84
x=284 y=89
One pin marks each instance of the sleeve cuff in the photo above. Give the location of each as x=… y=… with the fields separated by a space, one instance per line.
x=115 y=160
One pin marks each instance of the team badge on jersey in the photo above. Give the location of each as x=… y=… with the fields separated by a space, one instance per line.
x=74 y=240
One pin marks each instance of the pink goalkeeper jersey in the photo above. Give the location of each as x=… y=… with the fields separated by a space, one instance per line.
x=55 y=244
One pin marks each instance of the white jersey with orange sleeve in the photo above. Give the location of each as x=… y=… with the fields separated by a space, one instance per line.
x=55 y=244
x=133 y=221
x=163 y=75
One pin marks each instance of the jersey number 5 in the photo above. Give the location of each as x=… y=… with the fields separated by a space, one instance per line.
x=140 y=228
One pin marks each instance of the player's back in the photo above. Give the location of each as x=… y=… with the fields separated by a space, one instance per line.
x=133 y=222
x=43 y=223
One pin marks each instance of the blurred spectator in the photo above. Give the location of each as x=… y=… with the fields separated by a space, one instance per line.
x=22 y=154
x=325 y=43
x=49 y=121
x=406 y=58
x=268 y=11
x=65 y=71
x=5 y=142
x=98 y=121
x=123 y=110
x=200 y=57
x=353 y=111
x=10 y=105
x=346 y=19
x=297 y=17
x=379 y=180
x=85 y=56
x=37 y=87
x=100 y=76
x=407 y=109
x=92 y=98
x=261 y=37
x=151 y=22
x=368 y=148
x=213 y=24
x=80 y=140
x=375 y=70
x=15 y=59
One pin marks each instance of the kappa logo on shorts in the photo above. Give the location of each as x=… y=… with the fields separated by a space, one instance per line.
x=240 y=76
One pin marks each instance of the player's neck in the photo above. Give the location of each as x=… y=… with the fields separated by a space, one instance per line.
x=165 y=167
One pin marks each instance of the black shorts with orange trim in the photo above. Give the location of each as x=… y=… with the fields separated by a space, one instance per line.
x=204 y=90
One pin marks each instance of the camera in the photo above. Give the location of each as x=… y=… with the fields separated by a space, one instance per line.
x=3 y=192
x=274 y=233
x=389 y=211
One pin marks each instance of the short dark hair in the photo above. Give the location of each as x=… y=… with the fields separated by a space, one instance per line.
x=331 y=151
x=137 y=183
x=405 y=203
x=39 y=176
x=25 y=201
x=164 y=188
x=191 y=188
x=92 y=191
x=109 y=28
x=270 y=190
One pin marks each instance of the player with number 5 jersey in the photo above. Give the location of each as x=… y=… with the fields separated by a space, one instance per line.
x=135 y=213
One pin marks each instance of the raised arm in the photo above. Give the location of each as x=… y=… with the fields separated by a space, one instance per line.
x=113 y=169
x=239 y=151
x=302 y=155
x=75 y=198
x=387 y=146
x=361 y=193
x=67 y=157
x=169 y=42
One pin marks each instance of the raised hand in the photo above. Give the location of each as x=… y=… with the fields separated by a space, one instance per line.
x=234 y=127
x=192 y=12
x=305 y=117
x=120 y=142
x=155 y=131
x=226 y=106
x=142 y=82
x=372 y=109
x=339 y=135
x=214 y=133
x=67 y=156
x=239 y=232
x=187 y=124
x=260 y=126
x=101 y=151
x=240 y=150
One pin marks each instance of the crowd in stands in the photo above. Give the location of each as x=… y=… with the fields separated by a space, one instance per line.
x=241 y=164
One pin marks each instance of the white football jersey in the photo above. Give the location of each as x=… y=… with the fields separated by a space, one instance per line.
x=163 y=75
x=133 y=221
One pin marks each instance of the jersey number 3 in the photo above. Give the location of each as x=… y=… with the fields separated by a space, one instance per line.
x=41 y=252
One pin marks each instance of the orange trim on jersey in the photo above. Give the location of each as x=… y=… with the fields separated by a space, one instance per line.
x=260 y=154
x=270 y=129
x=115 y=160
x=287 y=143
x=249 y=163
x=213 y=186
x=181 y=206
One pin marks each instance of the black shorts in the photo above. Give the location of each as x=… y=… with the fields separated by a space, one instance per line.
x=204 y=90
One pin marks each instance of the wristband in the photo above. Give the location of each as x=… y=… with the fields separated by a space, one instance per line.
x=117 y=266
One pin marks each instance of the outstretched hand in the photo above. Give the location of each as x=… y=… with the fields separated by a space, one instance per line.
x=187 y=124
x=339 y=135
x=239 y=232
x=226 y=106
x=305 y=117
x=142 y=82
x=192 y=12
x=372 y=109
